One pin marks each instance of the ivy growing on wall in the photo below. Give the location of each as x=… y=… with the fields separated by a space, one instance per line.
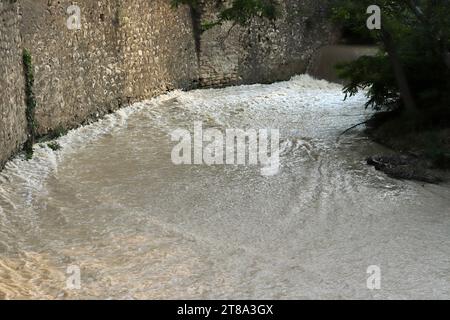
x=30 y=102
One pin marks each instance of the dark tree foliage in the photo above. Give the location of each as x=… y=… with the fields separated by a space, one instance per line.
x=239 y=11
x=417 y=34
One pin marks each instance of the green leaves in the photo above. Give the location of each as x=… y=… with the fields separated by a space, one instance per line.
x=30 y=102
x=192 y=3
x=420 y=31
x=373 y=74
x=240 y=11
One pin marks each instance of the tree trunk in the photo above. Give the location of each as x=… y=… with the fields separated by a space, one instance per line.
x=400 y=75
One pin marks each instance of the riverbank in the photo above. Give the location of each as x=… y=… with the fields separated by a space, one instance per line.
x=422 y=154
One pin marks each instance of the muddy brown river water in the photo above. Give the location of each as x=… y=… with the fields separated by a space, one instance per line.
x=112 y=204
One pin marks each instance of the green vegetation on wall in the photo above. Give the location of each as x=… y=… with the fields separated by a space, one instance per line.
x=30 y=103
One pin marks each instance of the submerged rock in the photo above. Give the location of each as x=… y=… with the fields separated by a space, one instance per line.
x=407 y=167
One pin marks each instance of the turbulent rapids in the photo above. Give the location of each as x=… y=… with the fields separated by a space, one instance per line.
x=112 y=203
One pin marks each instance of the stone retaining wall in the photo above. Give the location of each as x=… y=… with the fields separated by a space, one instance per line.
x=12 y=97
x=130 y=50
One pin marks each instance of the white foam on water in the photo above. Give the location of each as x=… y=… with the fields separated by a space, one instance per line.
x=32 y=173
x=112 y=202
